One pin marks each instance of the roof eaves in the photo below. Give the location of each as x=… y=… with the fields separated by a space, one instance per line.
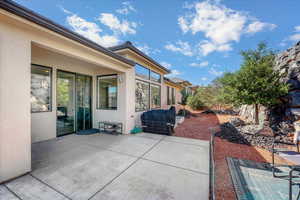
x=136 y=50
x=27 y=14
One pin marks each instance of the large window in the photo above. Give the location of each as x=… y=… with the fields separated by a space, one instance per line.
x=41 y=84
x=173 y=96
x=107 y=92
x=142 y=94
x=147 y=92
x=155 y=96
x=155 y=76
x=169 y=95
x=142 y=72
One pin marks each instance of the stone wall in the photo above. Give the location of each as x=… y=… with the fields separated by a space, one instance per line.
x=248 y=113
x=288 y=64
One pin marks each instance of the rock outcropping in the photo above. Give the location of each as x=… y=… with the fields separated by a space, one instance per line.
x=288 y=65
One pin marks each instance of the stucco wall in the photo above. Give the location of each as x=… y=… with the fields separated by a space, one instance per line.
x=15 y=140
x=135 y=117
x=165 y=97
x=16 y=37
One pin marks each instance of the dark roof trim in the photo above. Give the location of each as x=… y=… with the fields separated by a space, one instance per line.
x=129 y=45
x=169 y=80
x=25 y=13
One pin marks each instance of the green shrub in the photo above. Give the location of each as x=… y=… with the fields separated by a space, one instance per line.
x=195 y=102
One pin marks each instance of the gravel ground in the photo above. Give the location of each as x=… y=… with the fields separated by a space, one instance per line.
x=197 y=126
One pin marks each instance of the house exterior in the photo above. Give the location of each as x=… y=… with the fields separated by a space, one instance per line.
x=55 y=82
x=172 y=94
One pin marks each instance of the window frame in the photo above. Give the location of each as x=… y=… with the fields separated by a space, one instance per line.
x=149 y=97
x=149 y=72
x=168 y=96
x=173 y=97
x=51 y=87
x=153 y=72
x=150 y=82
x=98 y=92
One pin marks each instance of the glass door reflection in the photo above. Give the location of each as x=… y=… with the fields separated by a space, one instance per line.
x=83 y=102
x=65 y=98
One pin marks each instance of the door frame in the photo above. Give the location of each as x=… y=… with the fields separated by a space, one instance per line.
x=75 y=87
x=91 y=98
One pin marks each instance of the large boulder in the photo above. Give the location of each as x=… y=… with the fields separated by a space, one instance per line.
x=294 y=84
x=294 y=99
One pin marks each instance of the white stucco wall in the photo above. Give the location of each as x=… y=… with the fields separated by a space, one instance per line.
x=60 y=62
x=15 y=139
x=16 y=38
x=56 y=62
x=165 y=98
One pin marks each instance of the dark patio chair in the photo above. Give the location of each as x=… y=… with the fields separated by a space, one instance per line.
x=294 y=170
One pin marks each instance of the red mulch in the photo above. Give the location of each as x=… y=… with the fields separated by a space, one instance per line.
x=197 y=127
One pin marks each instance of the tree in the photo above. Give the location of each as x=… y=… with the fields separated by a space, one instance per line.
x=222 y=87
x=196 y=101
x=256 y=83
x=184 y=99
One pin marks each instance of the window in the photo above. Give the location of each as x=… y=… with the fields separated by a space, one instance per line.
x=173 y=96
x=142 y=94
x=155 y=76
x=41 y=84
x=142 y=72
x=155 y=96
x=169 y=95
x=147 y=94
x=107 y=92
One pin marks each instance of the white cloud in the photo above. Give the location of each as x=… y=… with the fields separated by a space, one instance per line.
x=215 y=72
x=207 y=47
x=292 y=38
x=297 y=28
x=174 y=73
x=181 y=47
x=127 y=8
x=204 y=79
x=295 y=37
x=258 y=26
x=202 y=64
x=146 y=48
x=166 y=64
x=183 y=24
x=124 y=26
x=217 y=22
x=220 y=25
x=90 y=30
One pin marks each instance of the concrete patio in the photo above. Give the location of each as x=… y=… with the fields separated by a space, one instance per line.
x=101 y=166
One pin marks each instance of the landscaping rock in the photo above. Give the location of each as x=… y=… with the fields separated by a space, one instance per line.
x=236 y=121
x=254 y=135
x=221 y=112
x=294 y=97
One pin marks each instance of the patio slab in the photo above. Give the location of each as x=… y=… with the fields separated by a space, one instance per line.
x=105 y=166
x=83 y=177
x=151 y=136
x=181 y=155
x=126 y=144
x=187 y=141
x=5 y=194
x=29 y=188
x=148 y=181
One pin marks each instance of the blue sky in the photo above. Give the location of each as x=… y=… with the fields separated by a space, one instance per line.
x=197 y=40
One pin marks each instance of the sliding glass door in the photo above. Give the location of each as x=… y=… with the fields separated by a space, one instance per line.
x=83 y=102
x=74 y=112
x=65 y=101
